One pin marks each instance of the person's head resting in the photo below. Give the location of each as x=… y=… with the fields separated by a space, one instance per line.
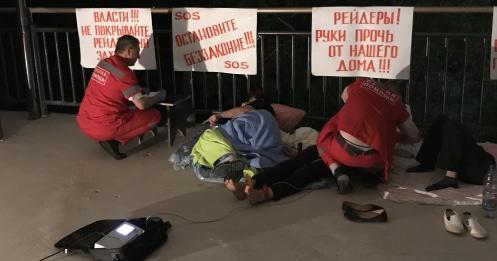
x=255 y=94
x=128 y=47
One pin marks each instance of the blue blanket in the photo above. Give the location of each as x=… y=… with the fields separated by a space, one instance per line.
x=256 y=136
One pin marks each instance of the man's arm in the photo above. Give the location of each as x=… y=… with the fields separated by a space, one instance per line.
x=143 y=102
x=409 y=133
x=230 y=114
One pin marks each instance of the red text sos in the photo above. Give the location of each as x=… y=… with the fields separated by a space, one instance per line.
x=186 y=16
x=236 y=65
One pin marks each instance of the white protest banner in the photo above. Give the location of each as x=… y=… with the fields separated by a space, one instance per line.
x=493 y=48
x=362 y=41
x=215 y=40
x=99 y=28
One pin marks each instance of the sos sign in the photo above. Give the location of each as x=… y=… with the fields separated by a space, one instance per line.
x=186 y=16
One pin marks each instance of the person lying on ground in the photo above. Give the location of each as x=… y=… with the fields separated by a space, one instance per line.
x=449 y=145
x=248 y=142
x=361 y=135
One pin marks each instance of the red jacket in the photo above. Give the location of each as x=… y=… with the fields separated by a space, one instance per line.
x=105 y=105
x=370 y=114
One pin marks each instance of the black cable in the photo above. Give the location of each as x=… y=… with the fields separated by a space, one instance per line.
x=237 y=209
x=51 y=255
x=230 y=212
x=71 y=245
x=292 y=186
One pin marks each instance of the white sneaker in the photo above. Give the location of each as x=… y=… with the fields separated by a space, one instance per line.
x=474 y=228
x=453 y=222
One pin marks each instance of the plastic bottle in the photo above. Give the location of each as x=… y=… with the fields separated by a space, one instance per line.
x=489 y=202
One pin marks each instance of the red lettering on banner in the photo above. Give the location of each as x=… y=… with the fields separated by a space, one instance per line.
x=365 y=17
x=205 y=33
x=110 y=42
x=217 y=51
x=373 y=50
x=135 y=30
x=144 y=42
x=373 y=35
x=384 y=65
x=361 y=40
x=85 y=30
x=330 y=35
x=104 y=42
x=335 y=50
x=186 y=16
x=356 y=65
x=134 y=15
x=111 y=16
x=236 y=65
x=104 y=54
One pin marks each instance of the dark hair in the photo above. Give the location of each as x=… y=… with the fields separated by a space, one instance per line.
x=255 y=94
x=126 y=41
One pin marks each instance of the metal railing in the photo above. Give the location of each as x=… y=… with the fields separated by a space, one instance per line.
x=297 y=10
x=449 y=72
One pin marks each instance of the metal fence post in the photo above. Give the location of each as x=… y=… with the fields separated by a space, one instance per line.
x=31 y=101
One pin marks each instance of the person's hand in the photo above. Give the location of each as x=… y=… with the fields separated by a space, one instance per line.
x=290 y=151
x=213 y=119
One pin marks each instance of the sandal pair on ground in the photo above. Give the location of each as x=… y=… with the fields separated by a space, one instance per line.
x=458 y=224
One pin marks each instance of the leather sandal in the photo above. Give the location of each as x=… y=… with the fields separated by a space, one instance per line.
x=347 y=205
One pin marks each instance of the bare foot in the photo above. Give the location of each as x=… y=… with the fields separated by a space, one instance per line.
x=238 y=189
x=257 y=196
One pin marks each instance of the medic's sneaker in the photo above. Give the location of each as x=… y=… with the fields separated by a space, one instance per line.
x=112 y=147
x=453 y=222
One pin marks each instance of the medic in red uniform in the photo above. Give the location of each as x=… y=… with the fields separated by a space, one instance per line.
x=364 y=132
x=104 y=114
